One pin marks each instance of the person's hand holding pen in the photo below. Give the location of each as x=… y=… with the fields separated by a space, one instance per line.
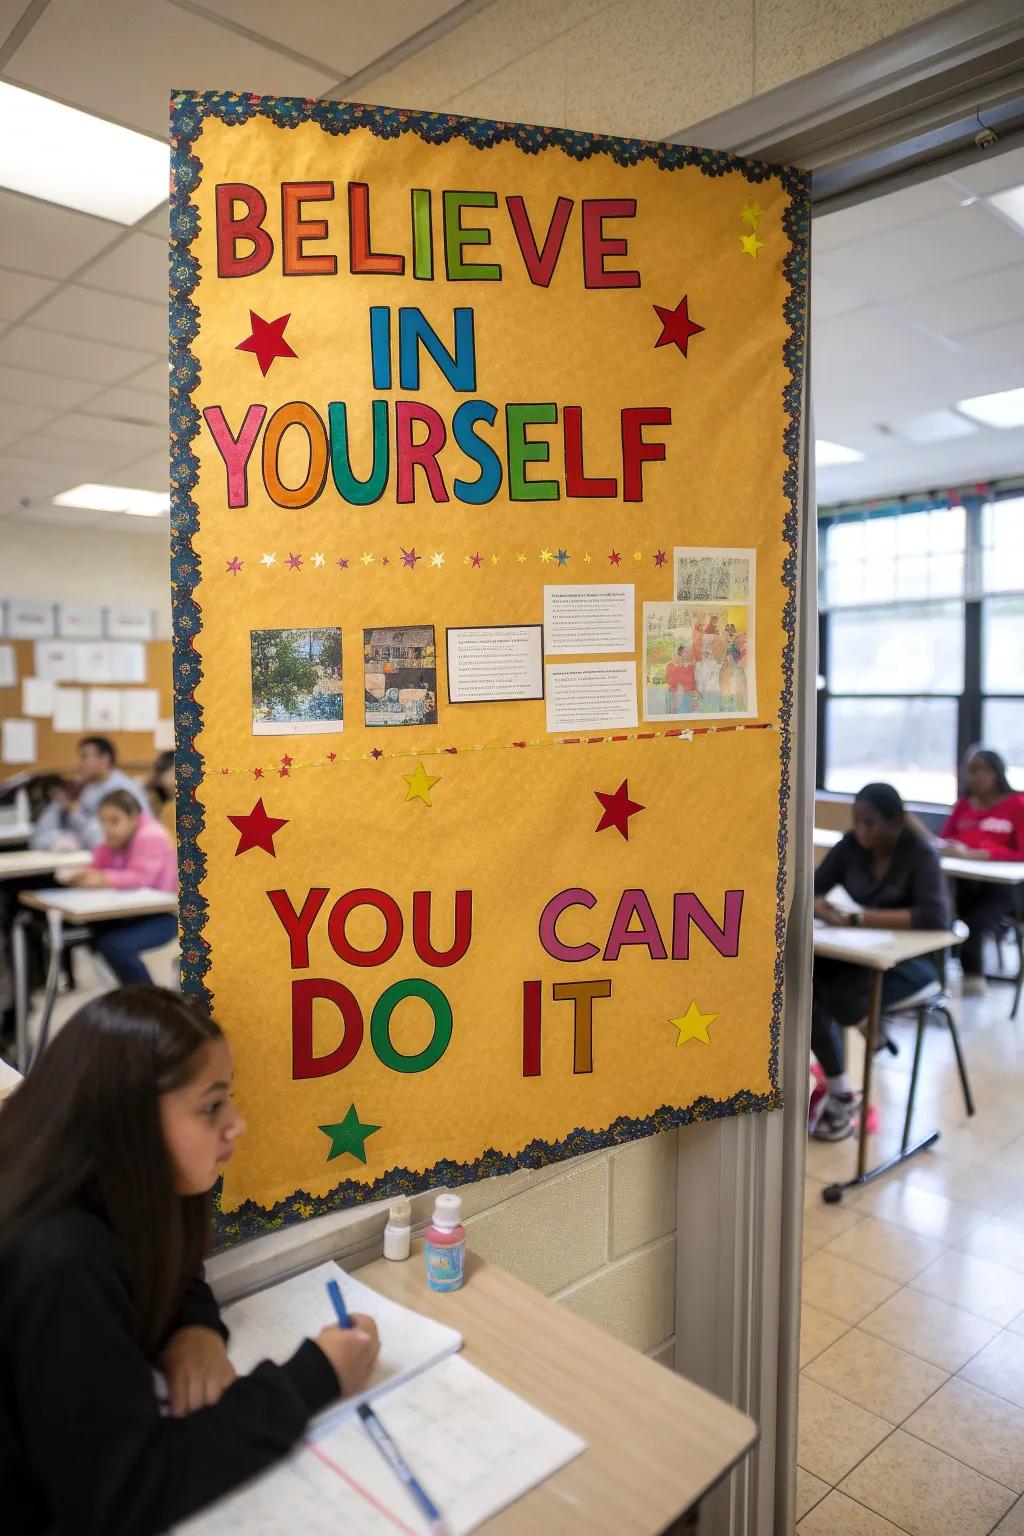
x=352 y=1347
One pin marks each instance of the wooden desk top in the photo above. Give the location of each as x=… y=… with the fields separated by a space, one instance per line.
x=861 y=946
x=995 y=871
x=99 y=905
x=36 y=861
x=656 y=1442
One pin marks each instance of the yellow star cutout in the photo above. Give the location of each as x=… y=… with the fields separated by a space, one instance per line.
x=751 y=213
x=693 y=1025
x=637 y=555
x=587 y=558
x=318 y=559
x=420 y=784
x=520 y=559
x=545 y=556
x=751 y=245
x=366 y=558
x=495 y=559
x=437 y=559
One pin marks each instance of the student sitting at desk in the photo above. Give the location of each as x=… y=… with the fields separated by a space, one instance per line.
x=118 y=1136
x=137 y=854
x=888 y=868
x=99 y=774
x=987 y=822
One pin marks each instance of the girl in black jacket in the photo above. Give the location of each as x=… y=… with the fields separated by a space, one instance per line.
x=108 y=1154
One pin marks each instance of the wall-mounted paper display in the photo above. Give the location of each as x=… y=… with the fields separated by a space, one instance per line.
x=28 y=619
x=18 y=741
x=103 y=709
x=56 y=660
x=69 y=709
x=37 y=697
x=125 y=623
x=93 y=664
x=163 y=736
x=458 y=909
x=127 y=662
x=139 y=709
x=79 y=621
x=8 y=667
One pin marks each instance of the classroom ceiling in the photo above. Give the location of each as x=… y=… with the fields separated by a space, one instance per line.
x=918 y=297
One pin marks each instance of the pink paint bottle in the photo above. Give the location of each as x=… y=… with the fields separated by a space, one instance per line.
x=444 y=1244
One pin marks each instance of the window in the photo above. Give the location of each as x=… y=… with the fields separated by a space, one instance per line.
x=899 y=649
x=907 y=742
x=1003 y=724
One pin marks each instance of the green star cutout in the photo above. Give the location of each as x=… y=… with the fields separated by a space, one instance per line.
x=349 y=1135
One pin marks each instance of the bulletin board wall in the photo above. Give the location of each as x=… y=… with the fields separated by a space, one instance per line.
x=485 y=476
x=55 y=750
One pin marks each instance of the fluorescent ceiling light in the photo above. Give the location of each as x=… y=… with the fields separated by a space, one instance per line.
x=935 y=427
x=115 y=498
x=826 y=454
x=1011 y=205
x=1003 y=410
x=69 y=157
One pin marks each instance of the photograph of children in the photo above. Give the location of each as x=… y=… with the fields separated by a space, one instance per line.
x=296 y=681
x=699 y=661
x=400 y=676
x=714 y=575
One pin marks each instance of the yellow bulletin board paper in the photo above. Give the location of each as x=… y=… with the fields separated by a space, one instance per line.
x=423 y=368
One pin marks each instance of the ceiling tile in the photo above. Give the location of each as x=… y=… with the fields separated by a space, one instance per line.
x=1003 y=343
x=149 y=49
x=11 y=12
x=105 y=317
x=17 y=419
x=158 y=222
x=65 y=517
x=40 y=237
x=32 y=477
x=67 y=356
x=971 y=305
x=76 y=454
x=19 y=291
x=154 y=379
x=943 y=249
x=149 y=474
x=344 y=38
x=129 y=404
x=132 y=437
x=992 y=173
x=19 y=386
x=847 y=225
x=137 y=267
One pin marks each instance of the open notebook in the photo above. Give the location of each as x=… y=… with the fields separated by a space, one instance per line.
x=474 y=1445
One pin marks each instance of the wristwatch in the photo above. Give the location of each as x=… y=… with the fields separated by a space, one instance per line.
x=856 y=919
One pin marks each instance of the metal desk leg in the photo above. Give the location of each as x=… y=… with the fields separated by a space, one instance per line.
x=19 y=957
x=55 y=924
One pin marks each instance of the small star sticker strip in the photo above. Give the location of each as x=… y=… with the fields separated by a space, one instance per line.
x=464 y=485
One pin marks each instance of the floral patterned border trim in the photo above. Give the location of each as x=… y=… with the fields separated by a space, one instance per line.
x=188 y=111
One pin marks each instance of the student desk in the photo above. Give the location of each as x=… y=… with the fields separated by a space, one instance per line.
x=18 y=862
x=79 y=908
x=656 y=1443
x=13 y=832
x=861 y=946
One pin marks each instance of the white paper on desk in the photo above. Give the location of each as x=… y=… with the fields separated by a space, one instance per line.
x=8 y=667
x=18 y=741
x=272 y=1324
x=139 y=709
x=103 y=709
x=37 y=697
x=127 y=662
x=840 y=898
x=69 y=709
x=56 y=660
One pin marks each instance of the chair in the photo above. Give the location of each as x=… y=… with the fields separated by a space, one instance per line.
x=932 y=1002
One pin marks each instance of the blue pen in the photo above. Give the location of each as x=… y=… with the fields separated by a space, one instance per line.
x=338 y=1300
x=396 y=1461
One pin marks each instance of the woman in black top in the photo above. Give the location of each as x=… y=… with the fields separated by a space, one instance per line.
x=895 y=878
x=108 y=1154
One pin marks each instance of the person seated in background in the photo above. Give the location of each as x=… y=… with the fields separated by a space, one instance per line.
x=892 y=875
x=987 y=822
x=55 y=831
x=136 y=854
x=98 y=775
x=161 y=789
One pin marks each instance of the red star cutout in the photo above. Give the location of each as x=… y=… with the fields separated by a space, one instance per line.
x=287 y=761
x=342 y=564
x=385 y=561
x=294 y=562
x=376 y=752
x=659 y=558
x=332 y=757
x=409 y=558
x=615 y=558
x=617 y=809
x=267 y=340
x=257 y=829
x=235 y=565
x=676 y=326
x=283 y=773
x=476 y=559
x=257 y=773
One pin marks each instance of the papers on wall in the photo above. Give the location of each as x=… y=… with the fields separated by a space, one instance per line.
x=18 y=741
x=163 y=736
x=37 y=697
x=93 y=664
x=56 y=660
x=588 y=619
x=127 y=662
x=491 y=662
x=79 y=621
x=8 y=667
x=69 y=709
x=599 y=695
x=29 y=619
x=139 y=709
x=103 y=710
x=125 y=623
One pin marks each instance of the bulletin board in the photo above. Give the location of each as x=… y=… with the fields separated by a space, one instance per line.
x=485 y=469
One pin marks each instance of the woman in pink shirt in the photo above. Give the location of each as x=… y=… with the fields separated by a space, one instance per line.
x=136 y=854
x=986 y=823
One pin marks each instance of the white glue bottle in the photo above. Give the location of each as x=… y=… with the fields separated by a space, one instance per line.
x=398 y=1232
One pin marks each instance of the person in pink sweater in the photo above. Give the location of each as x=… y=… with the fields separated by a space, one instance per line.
x=987 y=822
x=136 y=854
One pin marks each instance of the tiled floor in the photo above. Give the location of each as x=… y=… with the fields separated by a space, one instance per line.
x=912 y=1338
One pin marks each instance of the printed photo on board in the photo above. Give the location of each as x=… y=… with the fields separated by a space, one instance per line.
x=713 y=575
x=699 y=661
x=296 y=681
x=400 y=676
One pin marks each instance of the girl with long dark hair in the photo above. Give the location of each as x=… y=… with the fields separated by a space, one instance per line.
x=109 y=1151
x=987 y=822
